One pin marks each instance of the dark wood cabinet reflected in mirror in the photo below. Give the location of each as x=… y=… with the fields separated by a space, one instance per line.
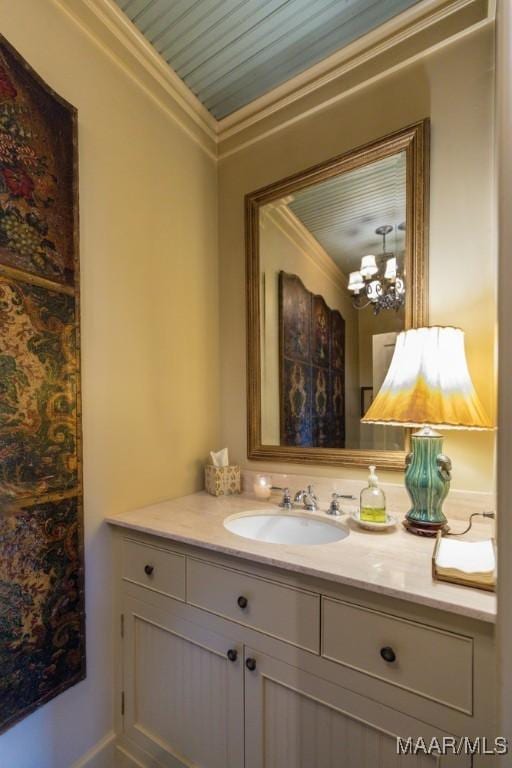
x=336 y=268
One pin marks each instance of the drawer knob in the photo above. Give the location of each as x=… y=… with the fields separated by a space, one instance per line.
x=250 y=664
x=148 y=570
x=242 y=602
x=388 y=654
x=232 y=654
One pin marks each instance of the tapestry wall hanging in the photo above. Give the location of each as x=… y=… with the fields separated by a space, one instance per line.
x=312 y=368
x=42 y=635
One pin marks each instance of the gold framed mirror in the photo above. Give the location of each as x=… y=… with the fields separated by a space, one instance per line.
x=336 y=267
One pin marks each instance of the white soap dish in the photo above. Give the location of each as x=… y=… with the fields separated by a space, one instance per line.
x=368 y=526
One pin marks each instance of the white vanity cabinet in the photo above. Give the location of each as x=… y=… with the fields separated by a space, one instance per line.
x=225 y=663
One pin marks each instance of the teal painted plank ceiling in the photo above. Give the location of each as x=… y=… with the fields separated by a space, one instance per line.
x=229 y=52
x=342 y=213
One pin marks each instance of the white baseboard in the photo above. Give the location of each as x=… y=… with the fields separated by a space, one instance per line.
x=118 y=752
x=101 y=755
x=124 y=760
x=107 y=753
x=144 y=751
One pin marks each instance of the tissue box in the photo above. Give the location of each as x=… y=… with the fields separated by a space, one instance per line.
x=222 y=481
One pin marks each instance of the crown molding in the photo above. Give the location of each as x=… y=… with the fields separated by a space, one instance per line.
x=400 y=28
x=115 y=34
x=119 y=38
x=356 y=76
x=294 y=230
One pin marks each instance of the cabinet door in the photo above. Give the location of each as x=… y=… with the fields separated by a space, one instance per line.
x=183 y=694
x=294 y=719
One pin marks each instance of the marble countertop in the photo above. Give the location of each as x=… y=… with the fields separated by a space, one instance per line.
x=393 y=563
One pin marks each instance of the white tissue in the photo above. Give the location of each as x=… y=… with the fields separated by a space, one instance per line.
x=220 y=459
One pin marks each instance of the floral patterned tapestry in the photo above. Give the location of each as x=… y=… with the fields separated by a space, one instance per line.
x=42 y=647
x=312 y=353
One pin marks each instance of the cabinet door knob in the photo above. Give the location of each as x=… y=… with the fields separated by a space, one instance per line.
x=388 y=654
x=148 y=570
x=250 y=664
x=232 y=654
x=242 y=602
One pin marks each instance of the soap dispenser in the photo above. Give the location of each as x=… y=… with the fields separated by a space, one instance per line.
x=373 y=501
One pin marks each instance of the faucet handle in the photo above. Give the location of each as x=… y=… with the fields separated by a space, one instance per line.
x=311 y=492
x=334 y=507
x=286 y=503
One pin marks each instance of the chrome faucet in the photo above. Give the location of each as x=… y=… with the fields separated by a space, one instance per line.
x=334 y=507
x=286 y=502
x=307 y=498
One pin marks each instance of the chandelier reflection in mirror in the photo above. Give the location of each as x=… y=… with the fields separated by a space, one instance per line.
x=379 y=285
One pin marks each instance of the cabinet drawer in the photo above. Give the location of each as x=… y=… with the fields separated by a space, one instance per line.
x=278 y=610
x=154 y=568
x=428 y=661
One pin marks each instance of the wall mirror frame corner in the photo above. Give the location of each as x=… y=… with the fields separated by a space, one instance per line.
x=413 y=142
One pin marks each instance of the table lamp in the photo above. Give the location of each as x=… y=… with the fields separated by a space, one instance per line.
x=428 y=384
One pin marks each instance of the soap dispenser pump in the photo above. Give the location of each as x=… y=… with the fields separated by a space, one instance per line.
x=373 y=500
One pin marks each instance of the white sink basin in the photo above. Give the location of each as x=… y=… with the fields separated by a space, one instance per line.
x=285 y=528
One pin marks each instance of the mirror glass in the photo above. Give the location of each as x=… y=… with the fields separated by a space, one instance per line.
x=332 y=296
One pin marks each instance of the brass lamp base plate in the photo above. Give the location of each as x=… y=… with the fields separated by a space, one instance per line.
x=425 y=529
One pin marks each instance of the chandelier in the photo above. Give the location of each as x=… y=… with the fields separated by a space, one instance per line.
x=380 y=286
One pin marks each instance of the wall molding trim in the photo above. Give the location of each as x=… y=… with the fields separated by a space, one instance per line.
x=393 y=44
x=112 y=752
x=398 y=29
x=118 y=38
x=124 y=759
x=295 y=231
x=151 y=753
x=354 y=76
x=101 y=755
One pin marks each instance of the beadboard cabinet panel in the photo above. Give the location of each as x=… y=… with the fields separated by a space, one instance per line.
x=181 y=690
x=297 y=720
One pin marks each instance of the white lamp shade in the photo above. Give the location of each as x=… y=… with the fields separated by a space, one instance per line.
x=390 y=273
x=355 y=282
x=428 y=383
x=368 y=266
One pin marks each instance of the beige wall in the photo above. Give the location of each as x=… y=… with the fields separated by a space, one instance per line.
x=285 y=244
x=148 y=225
x=453 y=86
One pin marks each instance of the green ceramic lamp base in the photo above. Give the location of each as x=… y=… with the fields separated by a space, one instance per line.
x=427 y=479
